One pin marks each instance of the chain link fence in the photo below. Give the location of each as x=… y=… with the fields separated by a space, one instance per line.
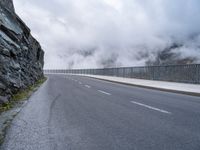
x=173 y=73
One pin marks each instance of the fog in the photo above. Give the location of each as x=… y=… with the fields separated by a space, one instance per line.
x=111 y=33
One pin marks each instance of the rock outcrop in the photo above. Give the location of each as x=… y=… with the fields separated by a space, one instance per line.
x=168 y=57
x=21 y=56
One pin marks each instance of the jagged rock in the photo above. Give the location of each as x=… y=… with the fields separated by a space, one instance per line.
x=2 y=86
x=168 y=57
x=4 y=99
x=4 y=51
x=8 y=5
x=21 y=56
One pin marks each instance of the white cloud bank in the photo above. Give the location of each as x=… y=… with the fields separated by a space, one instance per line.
x=98 y=33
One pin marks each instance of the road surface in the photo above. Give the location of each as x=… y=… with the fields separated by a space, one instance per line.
x=80 y=113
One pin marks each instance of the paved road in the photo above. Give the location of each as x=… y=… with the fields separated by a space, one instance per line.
x=80 y=113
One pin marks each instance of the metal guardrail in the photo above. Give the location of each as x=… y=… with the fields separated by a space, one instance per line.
x=174 y=73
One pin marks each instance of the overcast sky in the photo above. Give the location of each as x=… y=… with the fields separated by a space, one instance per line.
x=98 y=33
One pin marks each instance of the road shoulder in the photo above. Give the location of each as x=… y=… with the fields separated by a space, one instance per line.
x=18 y=102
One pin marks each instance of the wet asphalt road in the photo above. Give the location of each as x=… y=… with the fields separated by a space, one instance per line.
x=80 y=113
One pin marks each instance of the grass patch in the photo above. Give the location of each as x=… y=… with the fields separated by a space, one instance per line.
x=22 y=95
x=6 y=107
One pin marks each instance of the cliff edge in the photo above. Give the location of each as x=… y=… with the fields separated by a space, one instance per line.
x=21 y=56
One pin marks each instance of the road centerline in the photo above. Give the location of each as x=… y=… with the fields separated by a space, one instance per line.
x=151 y=107
x=104 y=92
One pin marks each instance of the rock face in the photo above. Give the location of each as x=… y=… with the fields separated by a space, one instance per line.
x=168 y=57
x=21 y=56
x=8 y=4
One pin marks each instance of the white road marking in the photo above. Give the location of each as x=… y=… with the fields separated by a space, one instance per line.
x=150 y=107
x=104 y=92
x=87 y=86
x=80 y=82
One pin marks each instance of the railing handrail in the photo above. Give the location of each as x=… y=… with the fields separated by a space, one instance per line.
x=189 y=73
x=171 y=65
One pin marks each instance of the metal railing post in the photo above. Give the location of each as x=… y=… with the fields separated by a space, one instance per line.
x=174 y=73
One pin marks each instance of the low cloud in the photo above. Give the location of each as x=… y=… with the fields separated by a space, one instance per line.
x=111 y=33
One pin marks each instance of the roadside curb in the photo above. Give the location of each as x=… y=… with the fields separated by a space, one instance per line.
x=148 y=87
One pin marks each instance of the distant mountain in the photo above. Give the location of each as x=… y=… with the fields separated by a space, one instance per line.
x=169 y=57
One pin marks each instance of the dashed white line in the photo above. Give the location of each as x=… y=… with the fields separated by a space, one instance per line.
x=152 y=108
x=104 y=92
x=87 y=86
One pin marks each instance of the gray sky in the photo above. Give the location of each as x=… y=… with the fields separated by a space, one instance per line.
x=98 y=33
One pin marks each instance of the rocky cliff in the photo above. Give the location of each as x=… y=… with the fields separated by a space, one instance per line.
x=168 y=57
x=21 y=56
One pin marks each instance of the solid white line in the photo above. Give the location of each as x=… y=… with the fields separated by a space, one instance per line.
x=87 y=86
x=104 y=92
x=150 y=107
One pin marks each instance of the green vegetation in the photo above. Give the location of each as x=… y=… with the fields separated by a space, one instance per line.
x=21 y=95
x=5 y=107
